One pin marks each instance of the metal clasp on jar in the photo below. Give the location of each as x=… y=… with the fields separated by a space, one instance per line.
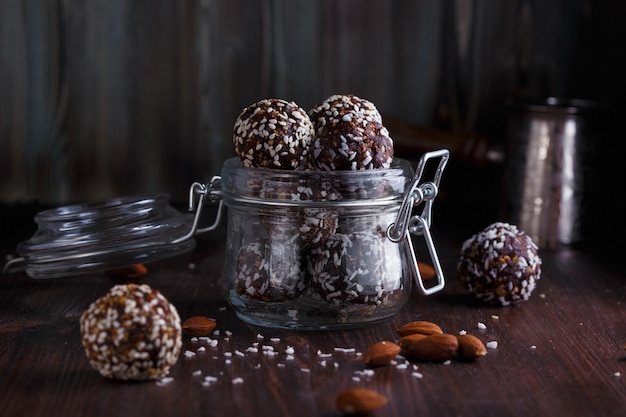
x=419 y=224
x=198 y=192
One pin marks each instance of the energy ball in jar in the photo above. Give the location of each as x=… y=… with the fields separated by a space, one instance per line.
x=355 y=268
x=272 y=133
x=337 y=105
x=500 y=265
x=269 y=270
x=352 y=142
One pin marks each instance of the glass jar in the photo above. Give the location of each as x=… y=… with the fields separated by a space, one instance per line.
x=311 y=250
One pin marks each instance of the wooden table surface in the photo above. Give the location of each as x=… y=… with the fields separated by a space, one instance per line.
x=559 y=354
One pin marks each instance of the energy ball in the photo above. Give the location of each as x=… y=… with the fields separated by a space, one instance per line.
x=355 y=268
x=272 y=133
x=352 y=142
x=269 y=270
x=132 y=332
x=500 y=265
x=337 y=105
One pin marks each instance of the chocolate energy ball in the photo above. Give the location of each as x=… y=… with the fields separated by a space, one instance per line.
x=500 y=265
x=337 y=105
x=269 y=270
x=272 y=133
x=359 y=268
x=352 y=142
x=132 y=332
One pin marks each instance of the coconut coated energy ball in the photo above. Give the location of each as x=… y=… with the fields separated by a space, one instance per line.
x=352 y=141
x=272 y=133
x=500 y=265
x=131 y=333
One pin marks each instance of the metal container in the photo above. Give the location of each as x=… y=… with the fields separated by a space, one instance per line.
x=549 y=170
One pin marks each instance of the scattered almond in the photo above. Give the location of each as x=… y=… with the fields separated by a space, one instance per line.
x=360 y=401
x=381 y=353
x=132 y=271
x=199 y=326
x=421 y=327
x=471 y=347
x=435 y=347
x=409 y=339
x=426 y=271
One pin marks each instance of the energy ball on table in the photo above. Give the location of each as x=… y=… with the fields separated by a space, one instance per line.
x=500 y=265
x=132 y=332
x=272 y=133
x=337 y=105
x=352 y=142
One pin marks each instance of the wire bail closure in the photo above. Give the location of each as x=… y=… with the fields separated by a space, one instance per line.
x=419 y=224
x=198 y=192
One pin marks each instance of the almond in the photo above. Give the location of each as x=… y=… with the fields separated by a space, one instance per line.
x=421 y=327
x=199 y=326
x=436 y=347
x=381 y=353
x=471 y=347
x=409 y=339
x=132 y=271
x=360 y=401
x=426 y=271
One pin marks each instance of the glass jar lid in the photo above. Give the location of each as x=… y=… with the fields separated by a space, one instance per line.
x=91 y=237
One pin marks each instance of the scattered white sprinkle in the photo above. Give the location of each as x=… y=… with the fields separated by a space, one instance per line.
x=492 y=344
x=481 y=326
x=210 y=378
x=228 y=361
x=402 y=366
x=280 y=365
x=542 y=295
x=238 y=353
x=192 y=265
x=197 y=373
x=289 y=350
x=194 y=339
x=222 y=308
x=164 y=381
x=189 y=354
x=228 y=333
x=617 y=374
x=252 y=350
x=417 y=375
x=324 y=355
x=228 y=354
x=495 y=317
x=335 y=365
x=345 y=350
x=462 y=332
x=257 y=366
x=201 y=349
x=323 y=363
x=216 y=332
x=275 y=339
x=305 y=370
x=365 y=372
x=268 y=348
x=356 y=378
x=448 y=362
x=237 y=381
x=213 y=343
x=290 y=357
x=260 y=336
x=533 y=347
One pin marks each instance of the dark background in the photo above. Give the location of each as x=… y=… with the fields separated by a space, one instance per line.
x=111 y=97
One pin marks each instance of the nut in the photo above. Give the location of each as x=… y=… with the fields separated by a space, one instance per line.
x=426 y=271
x=436 y=347
x=199 y=326
x=421 y=327
x=410 y=339
x=132 y=271
x=471 y=347
x=360 y=401
x=381 y=353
